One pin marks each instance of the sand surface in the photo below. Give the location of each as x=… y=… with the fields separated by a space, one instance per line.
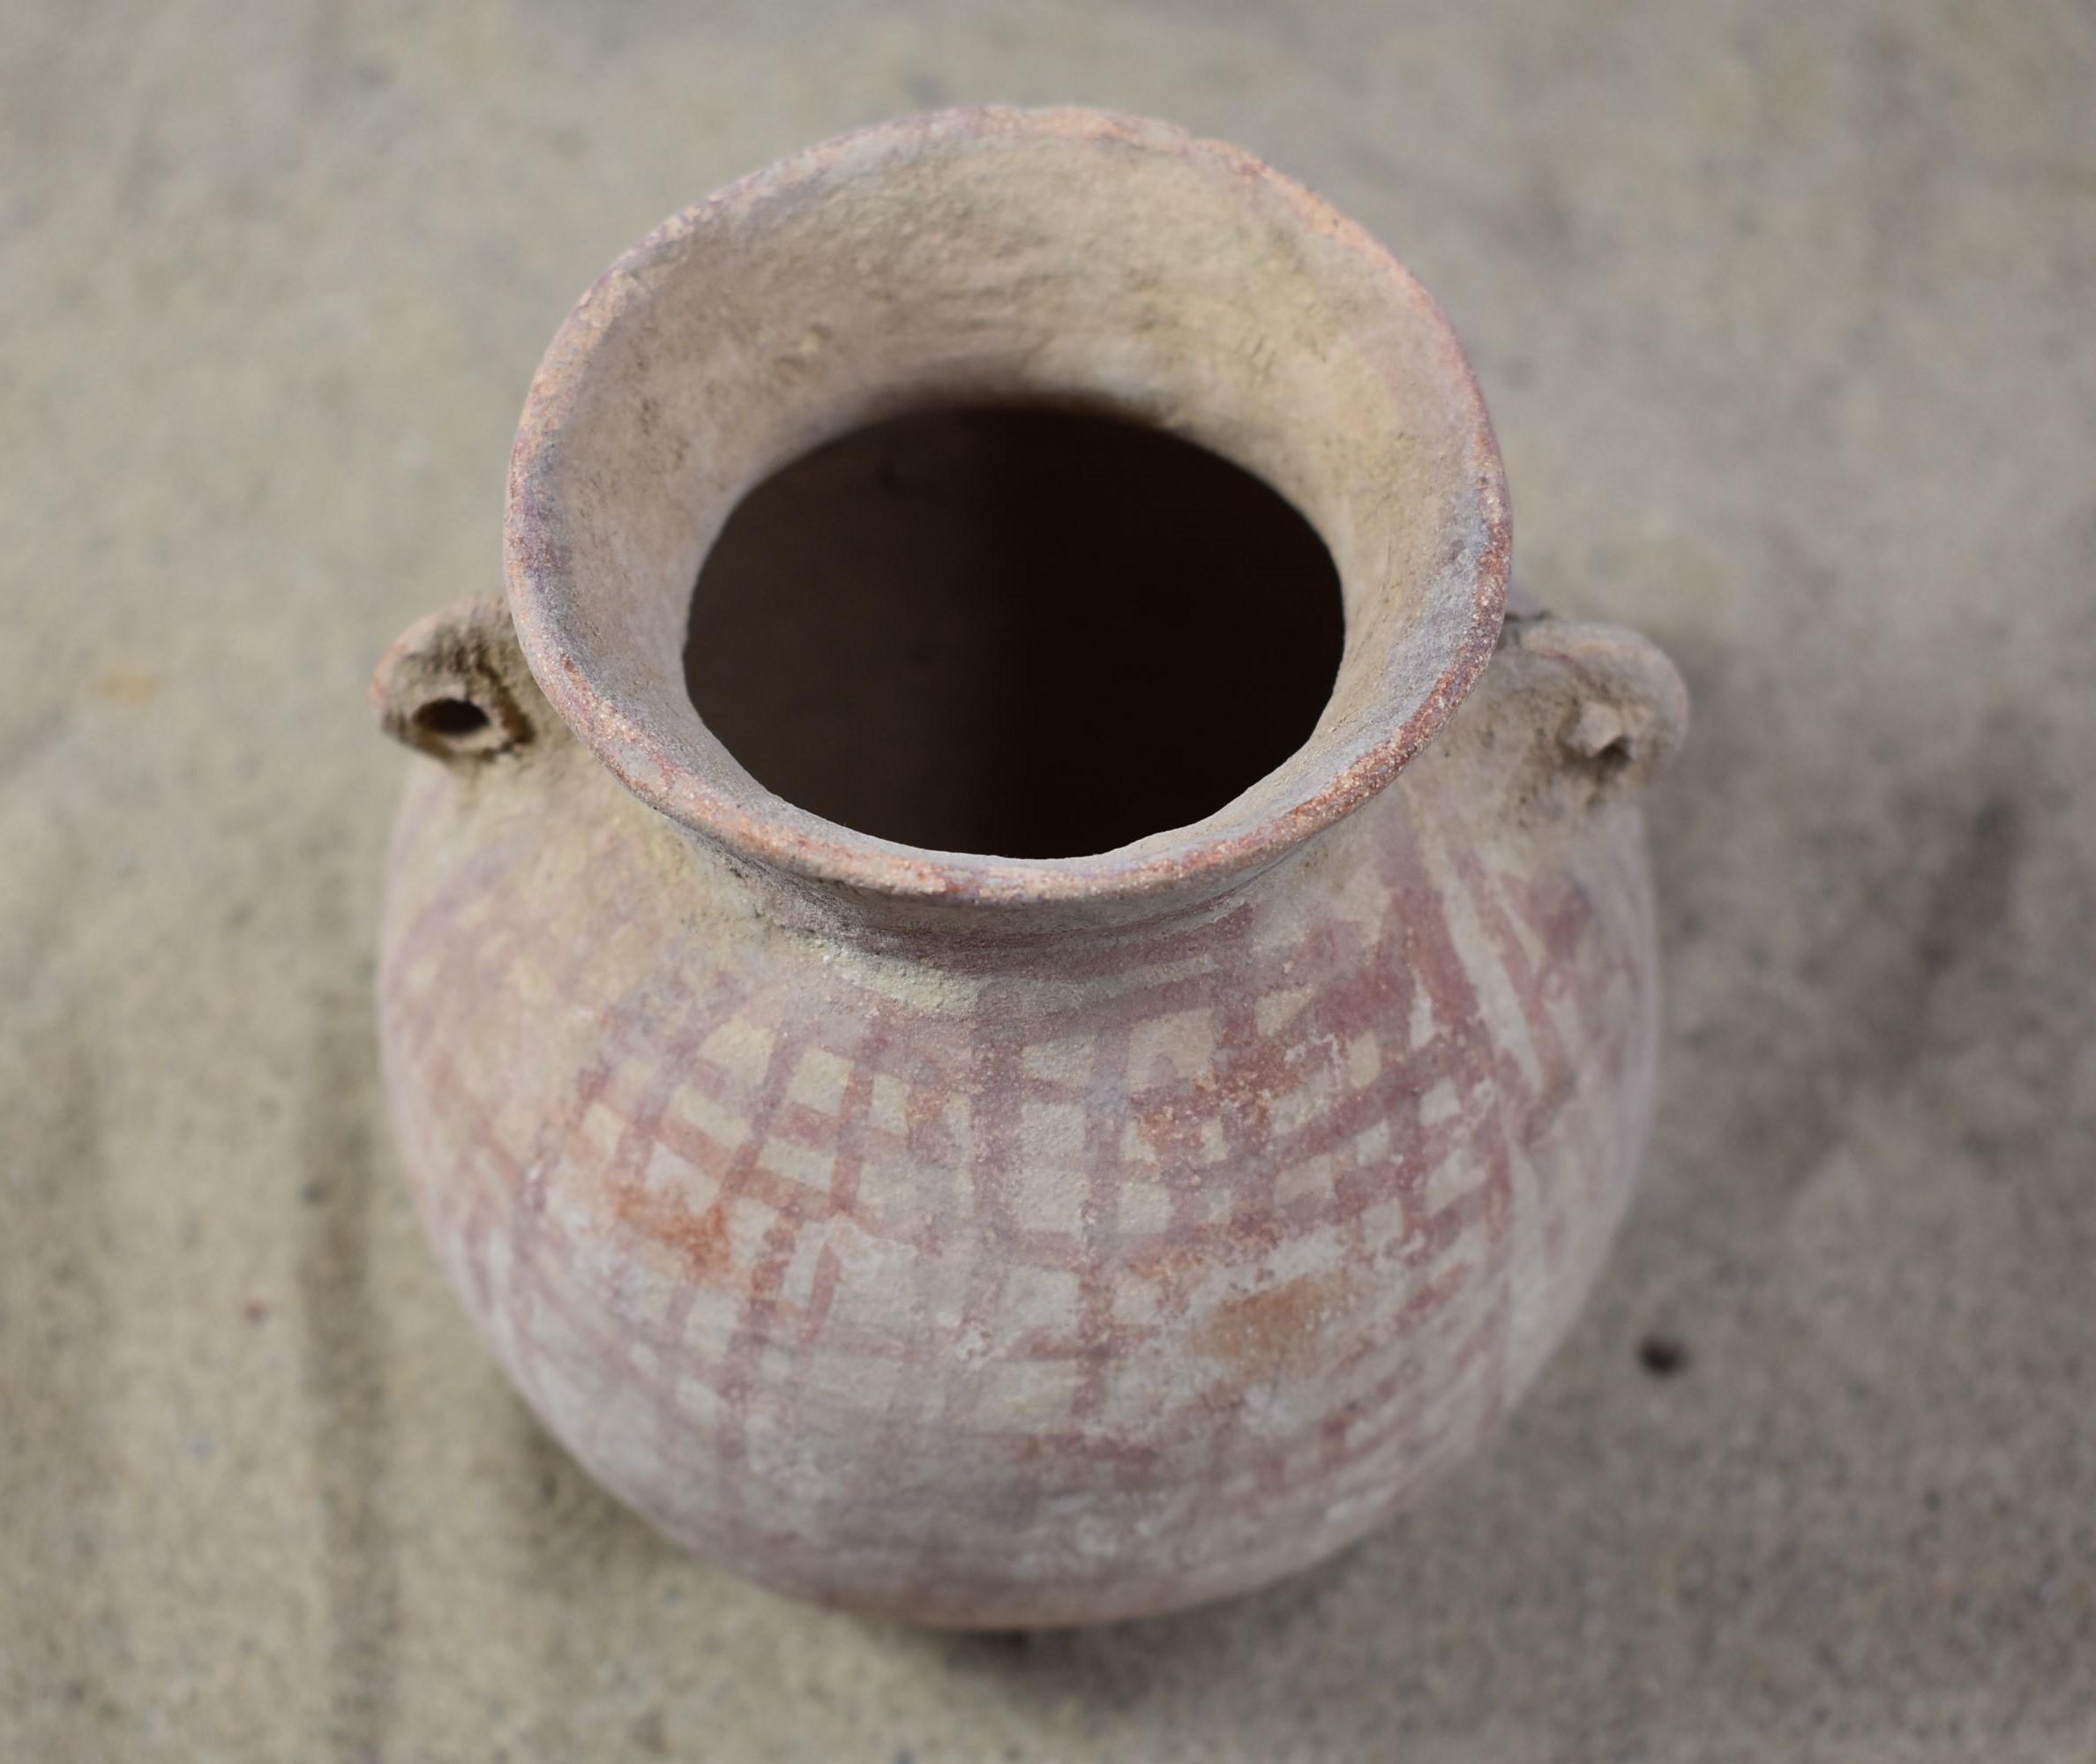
x=1786 y=326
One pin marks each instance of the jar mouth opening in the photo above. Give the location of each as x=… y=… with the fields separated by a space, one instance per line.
x=1016 y=630
x=1003 y=259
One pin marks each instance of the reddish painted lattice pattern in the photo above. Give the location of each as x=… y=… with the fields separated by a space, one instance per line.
x=1114 y=1277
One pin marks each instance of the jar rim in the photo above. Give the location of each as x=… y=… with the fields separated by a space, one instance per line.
x=589 y=636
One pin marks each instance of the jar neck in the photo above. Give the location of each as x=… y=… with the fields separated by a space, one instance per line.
x=958 y=930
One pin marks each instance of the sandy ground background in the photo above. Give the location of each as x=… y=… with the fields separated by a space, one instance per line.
x=1784 y=314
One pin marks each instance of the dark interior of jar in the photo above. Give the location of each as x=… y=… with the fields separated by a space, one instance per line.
x=1018 y=632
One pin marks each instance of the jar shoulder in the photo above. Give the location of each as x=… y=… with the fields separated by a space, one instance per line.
x=557 y=917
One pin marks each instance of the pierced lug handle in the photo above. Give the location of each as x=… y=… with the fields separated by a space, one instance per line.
x=1571 y=715
x=455 y=685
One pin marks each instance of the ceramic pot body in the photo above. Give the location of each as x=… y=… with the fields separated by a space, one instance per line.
x=992 y=1241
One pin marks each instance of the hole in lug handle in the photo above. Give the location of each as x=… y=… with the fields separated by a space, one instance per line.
x=451 y=721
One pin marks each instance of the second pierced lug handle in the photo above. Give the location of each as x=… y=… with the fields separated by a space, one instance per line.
x=455 y=685
x=1570 y=715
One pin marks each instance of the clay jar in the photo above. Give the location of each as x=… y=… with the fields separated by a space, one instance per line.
x=1005 y=1236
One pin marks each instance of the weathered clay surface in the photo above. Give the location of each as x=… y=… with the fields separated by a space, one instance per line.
x=1011 y=1242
